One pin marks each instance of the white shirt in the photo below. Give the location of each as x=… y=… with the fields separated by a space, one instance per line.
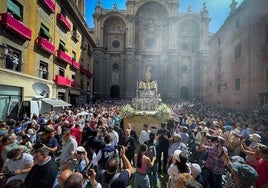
x=115 y=138
x=144 y=136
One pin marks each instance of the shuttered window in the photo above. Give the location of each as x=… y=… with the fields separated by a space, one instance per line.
x=14 y=8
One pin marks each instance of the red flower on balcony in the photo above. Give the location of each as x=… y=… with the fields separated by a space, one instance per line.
x=76 y=65
x=45 y=45
x=60 y=80
x=50 y=5
x=15 y=26
x=64 y=57
x=64 y=22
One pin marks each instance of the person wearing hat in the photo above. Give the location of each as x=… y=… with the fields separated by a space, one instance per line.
x=262 y=167
x=233 y=142
x=178 y=166
x=196 y=172
x=251 y=151
x=214 y=164
x=26 y=141
x=177 y=144
x=79 y=159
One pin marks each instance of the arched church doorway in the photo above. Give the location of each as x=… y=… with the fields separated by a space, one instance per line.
x=184 y=92
x=115 y=91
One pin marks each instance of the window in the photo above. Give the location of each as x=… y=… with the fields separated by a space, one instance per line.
x=43 y=70
x=75 y=35
x=13 y=59
x=61 y=71
x=237 y=23
x=266 y=77
x=219 y=41
x=184 y=68
x=219 y=88
x=89 y=50
x=81 y=84
x=15 y=9
x=73 y=56
x=237 y=51
x=237 y=84
x=62 y=46
x=266 y=33
x=219 y=63
x=44 y=32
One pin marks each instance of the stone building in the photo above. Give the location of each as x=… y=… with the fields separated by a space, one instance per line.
x=150 y=35
x=45 y=42
x=238 y=59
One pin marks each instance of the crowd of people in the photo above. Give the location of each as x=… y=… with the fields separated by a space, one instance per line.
x=91 y=146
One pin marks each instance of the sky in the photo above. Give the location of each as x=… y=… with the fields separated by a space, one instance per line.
x=218 y=9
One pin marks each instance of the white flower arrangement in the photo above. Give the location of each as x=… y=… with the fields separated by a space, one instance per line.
x=163 y=112
x=126 y=111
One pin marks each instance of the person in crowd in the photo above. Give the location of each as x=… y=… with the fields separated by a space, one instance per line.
x=144 y=135
x=93 y=144
x=151 y=152
x=103 y=155
x=75 y=180
x=120 y=132
x=184 y=134
x=262 y=167
x=10 y=144
x=113 y=167
x=132 y=132
x=193 y=184
x=76 y=132
x=49 y=141
x=141 y=178
x=79 y=160
x=114 y=136
x=44 y=172
x=196 y=172
x=177 y=144
x=129 y=145
x=163 y=136
x=214 y=163
x=69 y=146
x=26 y=142
x=61 y=178
x=178 y=166
x=18 y=163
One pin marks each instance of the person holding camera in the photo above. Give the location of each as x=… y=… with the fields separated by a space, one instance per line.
x=214 y=165
x=113 y=175
x=79 y=160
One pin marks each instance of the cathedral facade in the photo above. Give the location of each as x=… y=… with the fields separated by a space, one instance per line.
x=150 y=35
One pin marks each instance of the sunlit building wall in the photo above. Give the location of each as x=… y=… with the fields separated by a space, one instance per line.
x=154 y=36
x=238 y=58
x=44 y=41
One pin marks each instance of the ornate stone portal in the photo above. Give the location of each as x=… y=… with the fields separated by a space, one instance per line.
x=147 y=97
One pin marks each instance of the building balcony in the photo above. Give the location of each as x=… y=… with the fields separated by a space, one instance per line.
x=45 y=45
x=73 y=83
x=64 y=57
x=83 y=69
x=75 y=64
x=50 y=5
x=60 y=80
x=64 y=22
x=89 y=74
x=15 y=26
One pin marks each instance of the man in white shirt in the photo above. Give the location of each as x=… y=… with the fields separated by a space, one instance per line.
x=144 y=135
x=114 y=136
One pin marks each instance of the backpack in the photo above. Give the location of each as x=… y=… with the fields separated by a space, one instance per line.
x=105 y=184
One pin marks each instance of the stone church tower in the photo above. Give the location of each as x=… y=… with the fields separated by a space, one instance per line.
x=150 y=35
